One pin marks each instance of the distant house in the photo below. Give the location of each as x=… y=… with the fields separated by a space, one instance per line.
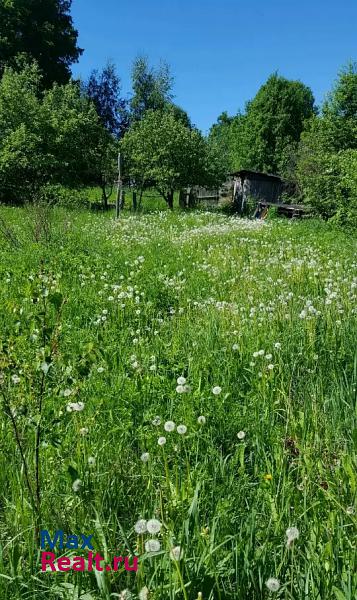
x=252 y=193
x=256 y=186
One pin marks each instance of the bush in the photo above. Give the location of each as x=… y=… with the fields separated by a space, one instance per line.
x=62 y=196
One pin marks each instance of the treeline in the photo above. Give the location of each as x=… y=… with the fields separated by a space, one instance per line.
x=281 y=131
x=58 y=134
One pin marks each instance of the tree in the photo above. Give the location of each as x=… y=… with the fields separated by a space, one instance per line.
x=45 y=139
x=104 y=90
x=273 y=124
x=265 y=137
x=40 y=30
x=327 y=158
x=151 y=87
x=159 y=151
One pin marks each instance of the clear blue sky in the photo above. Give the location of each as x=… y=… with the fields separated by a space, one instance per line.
x=220 y=51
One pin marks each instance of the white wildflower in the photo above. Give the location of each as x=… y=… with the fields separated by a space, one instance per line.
x=141 y=526
x=152 y=546
x=91 y=461
x=216 y=390
x=273 y=584
x=181 y=429
x=241 y=435
x=145 y=457
x=83 y=431
x=201 y=420
x=77 y=484
x=144 y=593
x=45 y=367
x=292 y=533
x=75 y=406
x=153 y=526
x=169 y=426
x=156 y=421
x=15 y=379
x=176 y=553
x=181 y=380
x=161 y=441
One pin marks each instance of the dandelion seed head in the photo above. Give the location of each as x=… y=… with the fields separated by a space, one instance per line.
x=141 y=526
x=145 y=457
x=153 y=526
x=292 y=533
x=216 y=390
x=241 y=435
x=201 y=420
x=176 y=553
x=161 y=441
x=156 y=421
x=75 y=406
x=77 y=484
x=181 y=380
x=152 y=546
x=181 y=429
x=169 y=426
x=273 y=584
x=91 y=461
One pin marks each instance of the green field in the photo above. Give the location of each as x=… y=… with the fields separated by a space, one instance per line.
x=98 y=321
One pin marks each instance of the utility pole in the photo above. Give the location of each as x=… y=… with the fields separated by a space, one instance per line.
x=119 y=200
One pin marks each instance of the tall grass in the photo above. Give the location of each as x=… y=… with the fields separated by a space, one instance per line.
x=99 y=319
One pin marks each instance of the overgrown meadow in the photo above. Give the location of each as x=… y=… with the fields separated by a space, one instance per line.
x=182 y=386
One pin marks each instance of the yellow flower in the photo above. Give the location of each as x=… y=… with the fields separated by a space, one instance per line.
x=268 y=477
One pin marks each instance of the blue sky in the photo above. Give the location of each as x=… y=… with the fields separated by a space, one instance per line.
x=220 y=51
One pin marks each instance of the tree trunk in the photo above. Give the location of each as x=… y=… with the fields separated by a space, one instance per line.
x=182 y=199
x=104 y=197
x=135 y=204
x=170 y=199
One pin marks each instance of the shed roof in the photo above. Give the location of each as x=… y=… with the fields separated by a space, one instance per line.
x=255 y=175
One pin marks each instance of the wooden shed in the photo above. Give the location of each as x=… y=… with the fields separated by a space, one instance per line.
x=256 y=186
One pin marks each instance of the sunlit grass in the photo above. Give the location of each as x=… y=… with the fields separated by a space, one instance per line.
x=243 y=332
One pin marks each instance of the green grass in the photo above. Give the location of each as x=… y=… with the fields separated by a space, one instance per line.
x=118 y=311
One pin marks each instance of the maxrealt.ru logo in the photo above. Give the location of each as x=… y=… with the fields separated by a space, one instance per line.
x=63 y=541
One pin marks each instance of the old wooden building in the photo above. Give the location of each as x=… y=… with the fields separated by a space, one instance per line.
x=255 y=186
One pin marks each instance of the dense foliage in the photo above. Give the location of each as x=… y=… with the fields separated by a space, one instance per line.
x=54 y=137
x=42 y=31
x=327 y=166
x=265 y=137
x=162 y=152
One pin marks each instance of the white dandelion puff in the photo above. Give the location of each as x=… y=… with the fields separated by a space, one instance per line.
x=91 y=461
x=156 y=421
x=161 y=441
x=141 y=526
x=176 y=553
x=292 y=533
x=169 y=426
x=201 y=420
x=152 y=546
x=216 y=390
x=144 y=593
x=153 y=526
x=273 y=584
x=181 y=429
x=181 y=380
x=75 y=406
x=145 y=457
x=15 y=379
x=241 y=435
x=83 y=431
x=77 y=484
